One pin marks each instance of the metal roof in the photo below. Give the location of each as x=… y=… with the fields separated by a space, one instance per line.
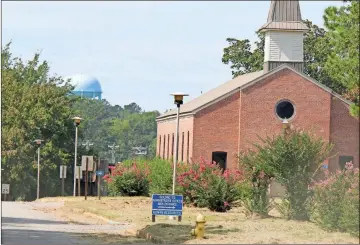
x=294 y=26
x=284 y=15
x=214 y=93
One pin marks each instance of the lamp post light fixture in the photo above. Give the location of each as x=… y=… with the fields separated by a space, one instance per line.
x=38 y=143
x=178 y=100
x=77 y=121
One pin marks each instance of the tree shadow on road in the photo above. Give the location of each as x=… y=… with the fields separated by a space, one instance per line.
x=11 y=220
x=40 y=237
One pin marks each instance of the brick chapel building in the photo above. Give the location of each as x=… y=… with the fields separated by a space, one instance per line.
x=227 y=119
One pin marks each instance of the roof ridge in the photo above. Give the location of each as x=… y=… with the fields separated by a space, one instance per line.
x=214 y=93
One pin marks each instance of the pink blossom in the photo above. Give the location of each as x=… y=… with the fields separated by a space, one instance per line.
x=349 y=165
x=326 y=171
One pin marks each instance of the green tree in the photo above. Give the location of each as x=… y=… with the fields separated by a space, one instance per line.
x=34 y=105
x=100 y=120
x=240 y=56
x=135 y=130
x=343 y=61
x=293 y=159
x=316 y=50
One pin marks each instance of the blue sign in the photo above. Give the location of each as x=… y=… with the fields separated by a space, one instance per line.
x=100 y=173
x=167 y=205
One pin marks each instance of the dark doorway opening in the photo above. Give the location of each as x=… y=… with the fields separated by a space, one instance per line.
x=220 y=158
x=344 y=159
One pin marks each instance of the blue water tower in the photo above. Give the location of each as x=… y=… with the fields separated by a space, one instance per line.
x=86 y=86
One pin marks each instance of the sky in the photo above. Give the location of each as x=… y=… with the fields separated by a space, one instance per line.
x=140 y=51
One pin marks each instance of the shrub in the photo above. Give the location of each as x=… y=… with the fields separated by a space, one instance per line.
x=258 y=175
x=293 y=159
x=204 y=184
x=335 y=204
x=128 y=180
x=160 y=173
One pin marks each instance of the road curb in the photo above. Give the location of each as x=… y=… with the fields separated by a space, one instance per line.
x=148 y=236
x=139 y=233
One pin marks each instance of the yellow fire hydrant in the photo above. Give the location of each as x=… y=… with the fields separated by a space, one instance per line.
x=199 y=230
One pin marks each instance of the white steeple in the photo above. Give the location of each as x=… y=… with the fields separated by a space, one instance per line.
x=284 y=33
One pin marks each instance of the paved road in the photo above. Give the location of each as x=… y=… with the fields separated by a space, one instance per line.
x=21 y=224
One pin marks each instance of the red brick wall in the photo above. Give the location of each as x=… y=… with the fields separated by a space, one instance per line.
x=216 y=129
x=235 y=122
x=168 y=128
x=344 y=133
x=258 y=117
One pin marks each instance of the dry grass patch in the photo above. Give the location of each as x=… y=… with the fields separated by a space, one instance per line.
x=114 y=239
x=231 y=227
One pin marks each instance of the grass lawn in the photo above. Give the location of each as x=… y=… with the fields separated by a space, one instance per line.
x=221 y=228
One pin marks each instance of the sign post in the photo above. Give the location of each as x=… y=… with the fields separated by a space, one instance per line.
x=87 y=164
x=5 y=189
x=86 y=177
x=167 y=205
x=99 y=174
x=79 y=177
x=62 y=177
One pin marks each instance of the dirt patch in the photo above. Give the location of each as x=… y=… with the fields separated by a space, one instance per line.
x=222 y=228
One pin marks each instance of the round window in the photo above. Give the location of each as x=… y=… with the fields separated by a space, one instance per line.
x=285 y=109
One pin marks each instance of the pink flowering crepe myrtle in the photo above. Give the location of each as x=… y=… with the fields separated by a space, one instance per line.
x=331 y=178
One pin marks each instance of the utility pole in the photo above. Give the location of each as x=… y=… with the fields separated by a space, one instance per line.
x=140 y=151
x=38 y=143
x=87 y=145
x=113 y=147
x=86 y=177
x=98 y=180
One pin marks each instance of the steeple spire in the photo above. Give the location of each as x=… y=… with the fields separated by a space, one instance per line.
x=284 y=31
x=284 y=15
x=284 y=11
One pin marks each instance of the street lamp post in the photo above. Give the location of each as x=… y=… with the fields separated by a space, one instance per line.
x=77 y=121
x=178 y=100
x=38 y=143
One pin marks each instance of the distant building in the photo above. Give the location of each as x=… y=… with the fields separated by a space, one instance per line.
x=86 y=86
x=220 y=123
